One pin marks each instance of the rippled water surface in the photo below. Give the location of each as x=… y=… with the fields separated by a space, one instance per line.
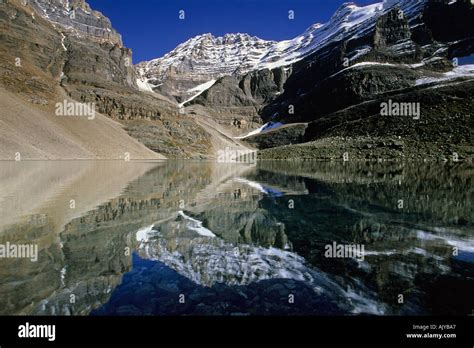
x=167 y=238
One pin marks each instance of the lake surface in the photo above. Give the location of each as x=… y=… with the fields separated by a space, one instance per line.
x=203 y=238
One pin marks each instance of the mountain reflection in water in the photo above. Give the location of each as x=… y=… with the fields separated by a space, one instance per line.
x=174 y=237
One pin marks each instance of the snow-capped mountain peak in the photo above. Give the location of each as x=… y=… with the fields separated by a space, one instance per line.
x=344 y=10
x=205 y=57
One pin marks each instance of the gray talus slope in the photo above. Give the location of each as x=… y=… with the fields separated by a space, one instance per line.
x=32 y=55
x=35 y=132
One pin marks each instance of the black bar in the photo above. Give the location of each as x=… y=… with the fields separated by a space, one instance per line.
x=239 y=330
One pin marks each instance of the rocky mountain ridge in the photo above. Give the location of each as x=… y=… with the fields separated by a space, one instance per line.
x=201 y=59
x=205 y=57
x=77 y=17
x=332 y=75
x=400 y=54
x=67 y=50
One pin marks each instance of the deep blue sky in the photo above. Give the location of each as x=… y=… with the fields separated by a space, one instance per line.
x=151 y=28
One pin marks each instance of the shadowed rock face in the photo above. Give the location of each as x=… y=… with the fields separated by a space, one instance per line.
x=388 y=40
x=253 y=89
x=401 y=56
x=322 y=83
x=339 y=88
x=94 y=50
x=446 y=23
x=286 y=135
x=390 y=29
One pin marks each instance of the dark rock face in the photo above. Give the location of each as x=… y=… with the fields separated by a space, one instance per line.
x=225 y=92
x=286 y=135
x=93 y=63
x=263 y=85
x=400 y=53
x=322 y=83
x=399 y=50
x=449 y=22
x=391 y=28
x=253 y=89
x=340 y=91
x=444 y=115
x=444 y=128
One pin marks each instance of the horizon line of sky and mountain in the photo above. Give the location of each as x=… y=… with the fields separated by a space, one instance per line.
x=152 y=28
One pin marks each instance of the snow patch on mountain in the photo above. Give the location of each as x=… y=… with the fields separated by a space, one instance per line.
x=63 y=37
x=364 y=64
x=265 y=128
x=198 y=90
x=144 y=86
x=347 y=17
x=449 y=238
x=196 y=225
x=205 y=57
x=143 y=234
x=259 y=187
x=460 y=71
